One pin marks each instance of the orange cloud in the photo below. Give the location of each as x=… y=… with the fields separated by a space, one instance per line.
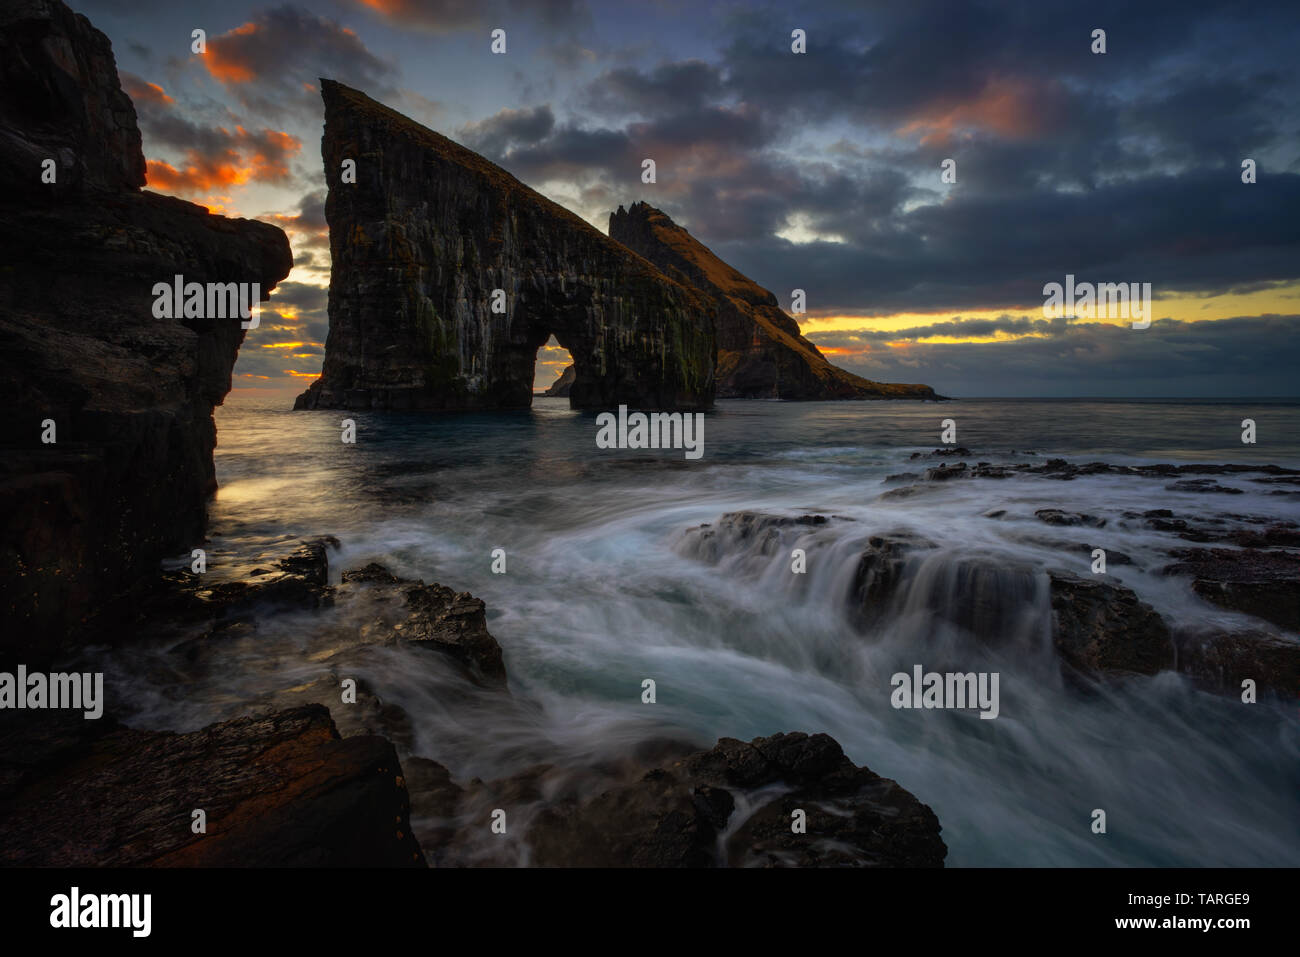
x=1008 y=106
x=199 y=174
x=251 y=157
x=142 y=91
x=226 y=58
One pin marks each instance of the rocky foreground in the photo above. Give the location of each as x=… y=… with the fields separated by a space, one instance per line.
x=296 y=787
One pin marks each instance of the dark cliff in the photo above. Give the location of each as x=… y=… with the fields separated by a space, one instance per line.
x=562 y=384
x=130 y=396
x=420 y=242
x=761 y=353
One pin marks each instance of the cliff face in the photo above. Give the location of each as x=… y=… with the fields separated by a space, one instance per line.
x=422 y=239
x=761 y=353
x=562 y=384
x=130 y=396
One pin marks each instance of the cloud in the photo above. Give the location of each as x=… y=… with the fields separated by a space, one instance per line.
x=671 y=87
x=142 y=91
x=272 y=62
x=238 y=157
x=451 y=16
x=1250 y=355
x=507 y=128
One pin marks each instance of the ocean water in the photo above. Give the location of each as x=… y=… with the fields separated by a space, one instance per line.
x=606 y=585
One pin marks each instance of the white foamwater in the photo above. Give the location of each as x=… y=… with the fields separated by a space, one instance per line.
x=607 y=586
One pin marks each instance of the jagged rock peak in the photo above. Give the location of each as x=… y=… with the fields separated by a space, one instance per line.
x=761 y=352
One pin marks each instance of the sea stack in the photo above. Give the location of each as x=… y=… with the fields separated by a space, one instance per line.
x=449 y=274
x=761 y=352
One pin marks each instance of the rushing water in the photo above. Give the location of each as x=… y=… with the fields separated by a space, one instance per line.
x=605 y=587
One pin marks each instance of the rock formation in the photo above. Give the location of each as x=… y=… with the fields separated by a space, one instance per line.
x=130 y=396
x=424 y=237
x=761 y=353
x=729 y=806
x=278 y=790
x=562 y=384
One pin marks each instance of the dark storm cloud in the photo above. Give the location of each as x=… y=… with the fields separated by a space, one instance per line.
x=305 y=298
x=554 y=27
x=272 y=62
x=311 y=211
x=669 y=88
x=495 y=135
x=1245 y=355
x=1116 y=167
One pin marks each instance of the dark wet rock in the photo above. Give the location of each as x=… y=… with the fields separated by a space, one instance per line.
x=1182 y=528
x=906 y=491
x=672 y=816
x=563 y=384
x=1202 y=485
x=1099 y=626
x=371 y=574
x=310 y=561
x=435 y=800
x=988 y=470
x=431 y=616
x=761 y=352
x=1113 y=557
x=1062 y=470
x=1249 y=531
x=1056 y=516
x=367 y=714
x=279 y=790
x=943 y=473
x=299 y=581
x=959 y=450
x=1274 y=534
x=1223 y=660
x=760 y=532
x=880 y=574
x=454 y=623
x=423 y=238
x=87 y=519
x=1262 y=583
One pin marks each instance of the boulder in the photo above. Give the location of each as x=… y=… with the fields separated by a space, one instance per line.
x=278 y=790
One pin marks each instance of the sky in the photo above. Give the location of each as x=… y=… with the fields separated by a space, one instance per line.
x=821 y=171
